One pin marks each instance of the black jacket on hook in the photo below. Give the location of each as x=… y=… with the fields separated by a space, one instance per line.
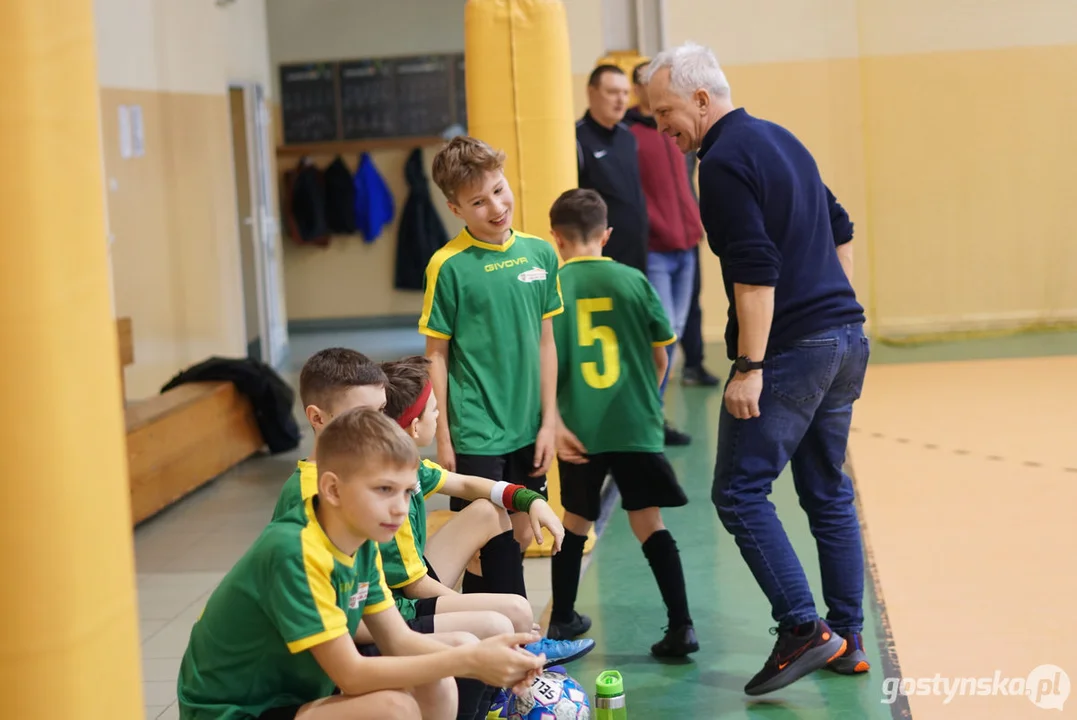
x=421 y=231
x=339 y=198
x=304 y=204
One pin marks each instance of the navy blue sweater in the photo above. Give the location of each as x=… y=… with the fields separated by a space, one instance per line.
x=772 y=221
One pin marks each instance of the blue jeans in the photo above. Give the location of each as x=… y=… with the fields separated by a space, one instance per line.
x=806 y=409
x=672 y=275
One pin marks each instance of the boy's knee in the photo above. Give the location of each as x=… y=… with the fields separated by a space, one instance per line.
x=437 y=700
x=645 y=522
x=394 y=704
x=576 y=524
x=460 y=638
x=484 y=512
x=520 y=613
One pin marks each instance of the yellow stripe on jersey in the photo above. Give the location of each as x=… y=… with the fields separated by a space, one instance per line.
x=387 y=596
x=663 y=343
x=409 y=555
x=318 y=566
x=442 y=477
x=458 y=244
x=557 y=311
x=308 y=479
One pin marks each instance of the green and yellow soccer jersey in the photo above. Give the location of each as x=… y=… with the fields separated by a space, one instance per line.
x=403 y=556
x=301 y=485
x=489 y=301
x=607 y=383
x=291 y=591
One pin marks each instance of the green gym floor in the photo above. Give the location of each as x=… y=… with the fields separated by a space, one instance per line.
x=936 y=452
x=731 y=614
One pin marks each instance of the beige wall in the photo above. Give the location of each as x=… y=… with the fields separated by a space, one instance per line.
x=940 y=126
x=172 y=212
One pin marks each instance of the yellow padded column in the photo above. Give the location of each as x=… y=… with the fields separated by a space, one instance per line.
x=519 y=99
x=70 y=644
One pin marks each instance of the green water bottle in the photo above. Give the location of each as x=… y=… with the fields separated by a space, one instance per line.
x=610 y=697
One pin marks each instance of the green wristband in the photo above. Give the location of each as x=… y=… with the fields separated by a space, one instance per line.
x=523 y=498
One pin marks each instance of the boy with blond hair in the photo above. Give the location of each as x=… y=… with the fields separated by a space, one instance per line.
x=276 y=638
x=489 y=298
x=611 y=347
x=421 y=573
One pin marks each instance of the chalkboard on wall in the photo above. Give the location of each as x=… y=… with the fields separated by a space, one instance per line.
x=373 y=98
x=309 y=102
x=423 y=95
x=368 y=99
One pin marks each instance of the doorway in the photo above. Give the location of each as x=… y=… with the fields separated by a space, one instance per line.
x=259 y=236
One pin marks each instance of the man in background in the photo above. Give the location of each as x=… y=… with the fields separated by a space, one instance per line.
x=607 y=162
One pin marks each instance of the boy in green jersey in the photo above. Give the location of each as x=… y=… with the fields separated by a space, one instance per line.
x=331 y=382
x=276 y=638
x=611 y=354
x=489 y=299
x=422 y=573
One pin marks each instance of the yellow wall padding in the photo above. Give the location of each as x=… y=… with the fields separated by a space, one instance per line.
x=519 y=99
x=70 y=645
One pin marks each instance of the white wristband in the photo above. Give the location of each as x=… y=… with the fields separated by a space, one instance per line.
x=497 y=493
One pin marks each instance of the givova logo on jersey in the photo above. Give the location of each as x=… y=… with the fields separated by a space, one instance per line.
x=502 y=264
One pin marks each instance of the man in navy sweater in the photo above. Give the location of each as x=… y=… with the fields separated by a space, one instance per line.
x=795 y=333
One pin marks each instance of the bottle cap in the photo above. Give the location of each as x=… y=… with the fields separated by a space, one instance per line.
x=609 y=684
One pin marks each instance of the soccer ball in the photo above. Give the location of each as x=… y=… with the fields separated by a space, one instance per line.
x=552 y=696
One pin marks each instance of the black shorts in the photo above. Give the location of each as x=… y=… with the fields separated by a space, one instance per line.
x=514 y=468
x=643 y=479
x=281 y=713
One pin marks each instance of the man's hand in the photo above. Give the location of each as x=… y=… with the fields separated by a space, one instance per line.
x=742 y=394
x=501 y=662
x=545 y=450
x=542 y=516
x=569 y=447
x=446 y=454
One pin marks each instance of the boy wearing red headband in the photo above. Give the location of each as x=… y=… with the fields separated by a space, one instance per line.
x=422 y=575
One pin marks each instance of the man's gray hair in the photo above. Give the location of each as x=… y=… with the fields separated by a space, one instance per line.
x=691 y=67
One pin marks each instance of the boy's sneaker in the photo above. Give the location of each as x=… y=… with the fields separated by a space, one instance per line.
x=679 y=642
x=569 y=630
x=560 y=652
x=698 y=376
x=798 y=652
x=854 y=660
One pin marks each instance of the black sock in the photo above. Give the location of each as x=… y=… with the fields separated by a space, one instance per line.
x=503 y=565
x=472 y=584
x=565 y=572
x=661 y=552
x=475 y=698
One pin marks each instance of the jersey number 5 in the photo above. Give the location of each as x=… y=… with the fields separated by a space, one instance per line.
x=588 y=334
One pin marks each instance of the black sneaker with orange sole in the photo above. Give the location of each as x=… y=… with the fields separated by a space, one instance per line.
x=798 y=651
x=854 y=660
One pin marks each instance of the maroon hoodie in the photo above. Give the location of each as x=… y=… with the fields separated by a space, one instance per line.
x=671 y=208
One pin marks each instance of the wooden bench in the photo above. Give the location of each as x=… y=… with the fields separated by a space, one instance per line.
x=181 y=439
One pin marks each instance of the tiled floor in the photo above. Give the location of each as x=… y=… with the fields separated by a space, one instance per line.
x=182 y=553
